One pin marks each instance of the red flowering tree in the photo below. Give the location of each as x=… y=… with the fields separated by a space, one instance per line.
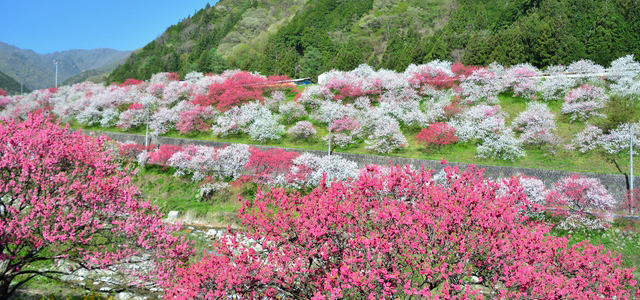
x=271 y=162
x=3 y=92
x=395 y=233
x=65 y=200
x=131 y=151
x=238 y=89
x=132 y=81
x=162 y=155
x=437 y=134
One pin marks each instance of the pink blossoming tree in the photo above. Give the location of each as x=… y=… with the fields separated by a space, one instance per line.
x=394 y=233
x=65 y=200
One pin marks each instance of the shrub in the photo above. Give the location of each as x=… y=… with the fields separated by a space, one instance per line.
x=481 y=85
x=343 y=132
x=131 y=150
x=251 y=118
x=366 y=240
x=617 y=111
x=503 y=146
x=202 y=161
x=537 y=124
x=586 y=140
x=584 y=102
x=240 y=88
x=555 y=87
x=132 y=117
x=523 y=80
x=302 y=130
x=437 y=134
x=479 y=122
x=618 y=140
x=309 y=170
x=265 y=128
x=386 y=136
x=292 y=112
x=196 y=119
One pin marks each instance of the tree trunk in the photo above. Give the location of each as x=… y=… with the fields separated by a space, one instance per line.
x=5 y=291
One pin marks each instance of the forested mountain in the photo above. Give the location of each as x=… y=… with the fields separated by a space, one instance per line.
x=38 y=71
x=9 y=84
x=307 y=37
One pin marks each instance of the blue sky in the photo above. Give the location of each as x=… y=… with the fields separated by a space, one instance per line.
x=48 y=25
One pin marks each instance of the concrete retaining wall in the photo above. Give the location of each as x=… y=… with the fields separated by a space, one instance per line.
x=617 y=184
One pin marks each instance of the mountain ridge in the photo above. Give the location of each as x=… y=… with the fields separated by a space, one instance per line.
x=38 y=70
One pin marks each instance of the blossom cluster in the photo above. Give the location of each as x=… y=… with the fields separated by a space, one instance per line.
x=302 y=130
x=536 y=123
x=617 y=141
x=364 y=239
x=584 y=102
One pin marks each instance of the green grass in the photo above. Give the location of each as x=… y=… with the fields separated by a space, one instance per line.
x=181 y=193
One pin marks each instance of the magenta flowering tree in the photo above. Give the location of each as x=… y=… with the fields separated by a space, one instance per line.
x=65 y=200
x=395 y=233
x=437 y=134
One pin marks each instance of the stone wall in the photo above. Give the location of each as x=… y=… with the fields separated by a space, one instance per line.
x=617 y=184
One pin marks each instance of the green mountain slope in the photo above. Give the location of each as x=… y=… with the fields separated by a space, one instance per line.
x=10 y=85
x=303 y=38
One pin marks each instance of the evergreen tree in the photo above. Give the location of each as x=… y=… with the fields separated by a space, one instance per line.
x=211 y=62
x=312 y=62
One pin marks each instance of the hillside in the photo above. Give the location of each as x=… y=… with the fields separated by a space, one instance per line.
x=10 y=85
x=302 y=38
x=38 y=70
x=95 y=75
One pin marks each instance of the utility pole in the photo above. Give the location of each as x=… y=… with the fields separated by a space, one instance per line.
x=55 y=62
x=146 y=134
x=329 y=140
x=631 y=199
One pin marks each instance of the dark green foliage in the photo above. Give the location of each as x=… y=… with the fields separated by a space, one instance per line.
x=544 y=32
x=211 y=62
x=9 y=85
x=304 y=39
x=311 y=63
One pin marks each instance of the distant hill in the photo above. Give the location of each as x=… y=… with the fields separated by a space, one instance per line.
x=10 y=85
x=303 y=38
x=95 y=75
x=38 y=70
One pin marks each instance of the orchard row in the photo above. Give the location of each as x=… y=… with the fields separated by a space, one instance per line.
x=216 y=168
x=445 y=102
